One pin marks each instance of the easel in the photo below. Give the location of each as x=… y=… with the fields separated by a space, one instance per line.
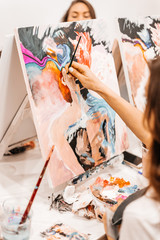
x=15 y=108
x=119 y=70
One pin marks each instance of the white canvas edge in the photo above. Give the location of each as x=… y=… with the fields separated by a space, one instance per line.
x=124 y=62
x=30 y=98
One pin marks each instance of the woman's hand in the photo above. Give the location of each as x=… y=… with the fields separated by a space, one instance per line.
x=105 y=226
x=84 y=75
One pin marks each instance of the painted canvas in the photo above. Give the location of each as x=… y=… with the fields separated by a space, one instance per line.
x=139 y=42
x=82 y=126
x=64 y=232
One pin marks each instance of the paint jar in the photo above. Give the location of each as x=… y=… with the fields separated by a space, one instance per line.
x=13 y=210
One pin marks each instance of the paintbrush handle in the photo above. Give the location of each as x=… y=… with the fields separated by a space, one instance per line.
x=25 y=215
x=74 y=52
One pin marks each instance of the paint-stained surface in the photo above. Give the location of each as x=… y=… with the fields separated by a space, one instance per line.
x=63 y=231
x=140 y=41
x=81 y=125
x=112 y=189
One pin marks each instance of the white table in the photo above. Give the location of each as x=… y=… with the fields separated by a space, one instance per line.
x=18 y=176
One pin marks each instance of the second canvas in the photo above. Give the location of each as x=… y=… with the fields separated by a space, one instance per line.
x=82 y=126
x=140 y=43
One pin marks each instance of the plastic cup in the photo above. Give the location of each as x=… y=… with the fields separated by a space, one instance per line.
x=13 y=210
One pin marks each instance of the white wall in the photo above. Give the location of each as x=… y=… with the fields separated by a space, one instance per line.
x=18 y=13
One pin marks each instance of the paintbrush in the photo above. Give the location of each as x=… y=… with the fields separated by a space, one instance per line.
x=26 y=212
x=74 y=52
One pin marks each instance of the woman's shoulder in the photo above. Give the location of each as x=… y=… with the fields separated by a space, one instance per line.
x=141 y=220
x=143 y=207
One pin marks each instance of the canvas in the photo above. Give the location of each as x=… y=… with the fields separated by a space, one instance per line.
x=139 y=42
x=82 y=126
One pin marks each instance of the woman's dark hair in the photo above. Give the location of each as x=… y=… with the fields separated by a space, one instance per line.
x=91 y=9
x=152 y=117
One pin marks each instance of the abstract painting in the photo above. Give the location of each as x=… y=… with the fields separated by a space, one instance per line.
x=82 y=126
x=64 y=232
x=140 y=42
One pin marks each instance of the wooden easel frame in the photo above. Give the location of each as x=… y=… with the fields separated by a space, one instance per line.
x=18 y=107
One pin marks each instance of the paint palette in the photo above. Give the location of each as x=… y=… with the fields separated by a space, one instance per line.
x=62 y=231
x=112 y=189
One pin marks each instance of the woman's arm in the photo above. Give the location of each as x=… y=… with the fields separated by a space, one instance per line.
x=129 y=114
x=105 y=227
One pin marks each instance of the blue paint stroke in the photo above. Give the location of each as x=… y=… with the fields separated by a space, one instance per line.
x=100 y=105
x=78 y=237
x=128 y=190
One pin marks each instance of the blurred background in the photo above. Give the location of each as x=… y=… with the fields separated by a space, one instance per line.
x=19 y=13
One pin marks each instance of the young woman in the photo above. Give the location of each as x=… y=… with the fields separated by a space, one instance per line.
x=79 y=10
x=141 y=219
